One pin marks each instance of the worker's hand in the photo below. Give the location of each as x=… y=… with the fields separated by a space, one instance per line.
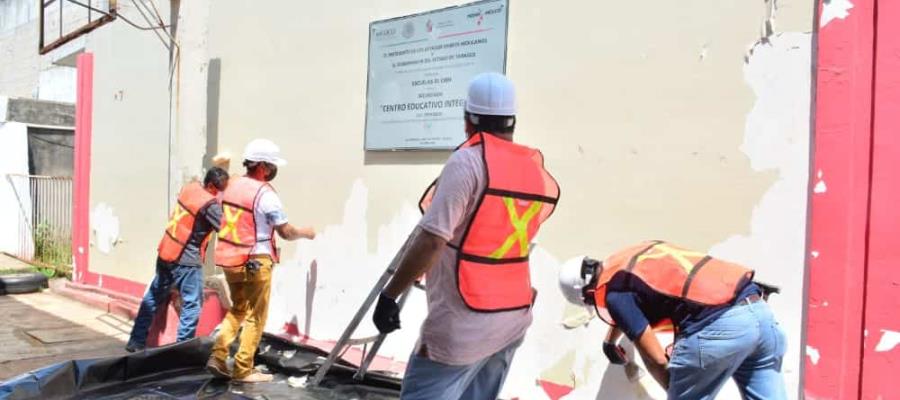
x=386 y=315
x=615 y=353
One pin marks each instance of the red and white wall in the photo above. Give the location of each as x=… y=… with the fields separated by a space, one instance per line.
x=678 y=108
x=853 y=326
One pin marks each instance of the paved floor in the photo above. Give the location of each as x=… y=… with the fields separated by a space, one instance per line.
x=43 y=328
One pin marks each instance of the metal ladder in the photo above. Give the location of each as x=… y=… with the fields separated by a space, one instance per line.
x=345 y=342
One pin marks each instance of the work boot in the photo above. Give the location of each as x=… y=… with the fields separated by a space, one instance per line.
x=217 y=368
x=255 y=377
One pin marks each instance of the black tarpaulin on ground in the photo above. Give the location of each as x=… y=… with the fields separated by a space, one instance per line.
x=177 y=372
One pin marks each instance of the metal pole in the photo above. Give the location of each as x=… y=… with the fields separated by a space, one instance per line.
x=361 y=373
x=363 y=309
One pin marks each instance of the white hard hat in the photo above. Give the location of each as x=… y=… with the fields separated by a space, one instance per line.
x=491 y=93
x=571 y=282
x=263 y=150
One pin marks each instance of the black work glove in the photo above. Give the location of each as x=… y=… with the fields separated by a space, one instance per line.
x=614 y=353
x=386 y=315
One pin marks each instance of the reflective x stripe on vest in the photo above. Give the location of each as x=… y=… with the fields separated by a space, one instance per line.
x=237 y=235
x=680 y=256
x=232 y=214
x=520 y=224
x=676 y=272
x=191 y=200
x=177 y=215
x=519 y=194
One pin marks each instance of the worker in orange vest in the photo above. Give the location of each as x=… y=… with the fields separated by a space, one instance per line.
x=246 y=251
x=181 y=254
x=723 y=326
x=474 y=240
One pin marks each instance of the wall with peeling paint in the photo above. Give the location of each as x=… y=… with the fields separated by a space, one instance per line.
x=687 y=122
x=680 y=123
x=852 y=324
x=130 y=148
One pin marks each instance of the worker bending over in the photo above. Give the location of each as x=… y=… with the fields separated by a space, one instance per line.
x=246 y=251
x=480 y=216
x=723 y=327
x=181 y=254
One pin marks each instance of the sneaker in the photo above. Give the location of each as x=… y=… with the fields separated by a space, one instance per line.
x=255 y=377
x=217 y=369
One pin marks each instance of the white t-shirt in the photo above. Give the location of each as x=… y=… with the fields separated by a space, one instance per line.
x=268 y=213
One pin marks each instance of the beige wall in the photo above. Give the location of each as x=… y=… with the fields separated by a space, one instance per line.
x=670 y=121
x=130 y=149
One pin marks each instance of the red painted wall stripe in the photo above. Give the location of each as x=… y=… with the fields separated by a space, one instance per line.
x=81 y=197
x=882 y=306
x=84 y=109
x=838 y=219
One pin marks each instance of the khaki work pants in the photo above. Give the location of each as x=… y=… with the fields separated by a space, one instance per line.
x=250 y=306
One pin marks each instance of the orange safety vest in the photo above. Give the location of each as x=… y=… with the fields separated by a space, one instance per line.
x=237 y=236
x=192 y=199
x=674 y=272
x=492 y=258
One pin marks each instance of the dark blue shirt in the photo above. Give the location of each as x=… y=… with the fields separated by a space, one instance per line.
x=634 y=306
x=208 y=219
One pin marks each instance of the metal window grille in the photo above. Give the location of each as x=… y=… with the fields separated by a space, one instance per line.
x=45 y=222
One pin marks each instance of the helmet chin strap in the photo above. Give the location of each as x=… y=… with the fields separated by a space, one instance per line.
x=590 y=268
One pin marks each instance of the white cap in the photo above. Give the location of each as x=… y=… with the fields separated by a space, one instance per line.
x=570 y=281
x=263 y=150
x=491 y=93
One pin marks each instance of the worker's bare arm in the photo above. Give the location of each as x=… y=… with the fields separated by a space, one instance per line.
x=418 y=258
x=289 y=232
x=654 y=356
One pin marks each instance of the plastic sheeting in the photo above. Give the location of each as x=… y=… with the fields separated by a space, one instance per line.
x=178 y=372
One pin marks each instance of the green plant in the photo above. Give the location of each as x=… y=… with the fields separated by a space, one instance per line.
x=51 y=248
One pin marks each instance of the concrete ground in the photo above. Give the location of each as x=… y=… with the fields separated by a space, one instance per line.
x=44 y=328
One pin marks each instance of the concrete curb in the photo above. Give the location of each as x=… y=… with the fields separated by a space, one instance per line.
x=114 y=303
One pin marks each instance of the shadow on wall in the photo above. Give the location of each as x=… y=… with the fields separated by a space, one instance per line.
x=617 y=384
x=311 y=278
x=438 y=157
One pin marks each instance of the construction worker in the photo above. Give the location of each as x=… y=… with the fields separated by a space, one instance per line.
x=246 y=251
x=181 y=254
x=723 y=327
x=473 y=241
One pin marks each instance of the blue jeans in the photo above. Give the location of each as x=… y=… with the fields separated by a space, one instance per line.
x=745 y=343
x=189 y=281
x=430 y=380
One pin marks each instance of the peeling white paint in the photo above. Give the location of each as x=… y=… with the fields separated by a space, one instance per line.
x=776 y=138
x=820 y=187
x=105 y=227
x=834 y=9
x=814 y=254
x=889 y=340
x=813 y=354
x=321 y=286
